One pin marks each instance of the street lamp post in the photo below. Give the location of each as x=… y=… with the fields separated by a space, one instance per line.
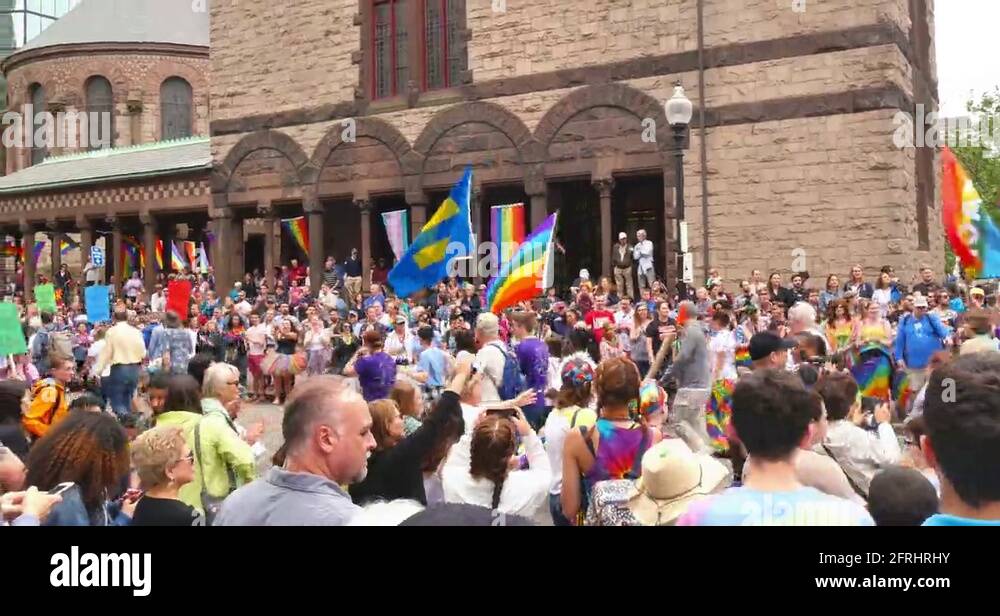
x=679 y=111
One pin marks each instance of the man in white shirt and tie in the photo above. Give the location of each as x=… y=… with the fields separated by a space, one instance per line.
x=643 y=253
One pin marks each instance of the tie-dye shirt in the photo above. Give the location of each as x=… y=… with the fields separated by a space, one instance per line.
x=618 y=449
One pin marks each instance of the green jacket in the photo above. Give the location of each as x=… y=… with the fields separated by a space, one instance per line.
x=221 y=446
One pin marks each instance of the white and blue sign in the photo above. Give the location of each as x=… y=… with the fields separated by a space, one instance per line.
x=97 y=255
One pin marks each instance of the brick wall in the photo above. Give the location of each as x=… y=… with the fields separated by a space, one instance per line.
x=275 y=56
x=133 y=77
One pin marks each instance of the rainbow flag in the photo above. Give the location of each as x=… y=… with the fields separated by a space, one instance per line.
x=191 y=252
x=37 y=252
x=719 y=412
x=203 y=258
x=902 y=392
x=159 y=255
x=10 y=248
x=133 y=257
x=176 y=257
x=743 y=356
x=524 y=275
x=971 y=231
x=298 y=228
x=507 y=229
x=872 y=369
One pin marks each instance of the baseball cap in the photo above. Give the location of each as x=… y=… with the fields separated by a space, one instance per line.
x=400 y=320
x=622 y=235
x=977 y=291
x=919 y=301
x=765 y=343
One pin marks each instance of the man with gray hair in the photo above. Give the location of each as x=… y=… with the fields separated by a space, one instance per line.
x=328 y=438
x=491 y=356
x=643 y=254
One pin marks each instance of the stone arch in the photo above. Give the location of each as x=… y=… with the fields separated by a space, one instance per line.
x=372 y=128
x=615 y=95
x=491 y=114
x=260 y=140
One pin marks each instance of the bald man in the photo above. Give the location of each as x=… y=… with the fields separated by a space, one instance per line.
x=328 y=438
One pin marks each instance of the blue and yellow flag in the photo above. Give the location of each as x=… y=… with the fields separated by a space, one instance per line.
x=426 y=261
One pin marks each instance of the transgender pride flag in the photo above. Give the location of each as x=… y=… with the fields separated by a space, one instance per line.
x=397 y=226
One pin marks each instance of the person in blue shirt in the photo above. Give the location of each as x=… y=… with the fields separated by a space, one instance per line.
x=920 y=335
x=962 y=442
x=433 y=362
x=376 y=297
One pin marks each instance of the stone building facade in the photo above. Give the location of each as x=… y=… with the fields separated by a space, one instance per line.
x=790 y=152
x=140 y=70
x=339 y=110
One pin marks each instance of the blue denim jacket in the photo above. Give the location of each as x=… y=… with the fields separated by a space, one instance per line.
x=72 y=512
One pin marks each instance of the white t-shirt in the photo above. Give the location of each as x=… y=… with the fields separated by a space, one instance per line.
x=94 y=352
x=492 y=359
x=257 y=339
x=724 y=342
x=882 y=297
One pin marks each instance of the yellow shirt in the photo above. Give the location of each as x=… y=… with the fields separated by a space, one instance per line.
x=124 y=346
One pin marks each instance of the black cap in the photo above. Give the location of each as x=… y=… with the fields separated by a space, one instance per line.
x=765 y=343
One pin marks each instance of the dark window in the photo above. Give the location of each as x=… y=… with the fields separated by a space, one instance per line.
x=38 y=150
x=389 y=35
x=175 y=109
x=442 y=49
x=100 y=114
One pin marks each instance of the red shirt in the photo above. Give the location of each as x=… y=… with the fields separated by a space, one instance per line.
x=596 y=319
x=298 y=272
x=380 y=275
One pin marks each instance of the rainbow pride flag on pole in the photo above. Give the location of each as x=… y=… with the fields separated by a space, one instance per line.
x=525 y=275
x=507 y=229
x=176 y=257
x=159 y=255
x=970 y=230
x=191 y=252
x=37 y=252
x=298 y=228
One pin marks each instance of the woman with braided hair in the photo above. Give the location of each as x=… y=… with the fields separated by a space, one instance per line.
x=484 y=469
x=91 y=451
x=613 y=447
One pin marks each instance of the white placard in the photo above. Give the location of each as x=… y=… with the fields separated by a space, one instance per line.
x=97 y=255
x=684 y=236
x=688 y=274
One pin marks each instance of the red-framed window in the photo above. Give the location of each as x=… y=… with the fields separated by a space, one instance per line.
x=441 y=49
x=390 y=57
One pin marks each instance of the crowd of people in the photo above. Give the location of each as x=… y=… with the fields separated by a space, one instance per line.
x=853 y=403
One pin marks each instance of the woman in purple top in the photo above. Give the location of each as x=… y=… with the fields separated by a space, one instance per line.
x=533 y=359
x=375 y=369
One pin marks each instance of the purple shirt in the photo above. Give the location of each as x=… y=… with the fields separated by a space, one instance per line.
x=533 y=359
x=377 y=375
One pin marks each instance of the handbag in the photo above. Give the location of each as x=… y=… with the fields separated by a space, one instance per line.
x=211 y=504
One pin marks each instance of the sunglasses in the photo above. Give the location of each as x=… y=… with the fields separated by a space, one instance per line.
x=188 y=458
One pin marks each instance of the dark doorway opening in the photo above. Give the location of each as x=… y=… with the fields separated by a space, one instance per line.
x=637 y=203
x=381 y=248
x=341 y=229
x=253 y=253
x=578 y=231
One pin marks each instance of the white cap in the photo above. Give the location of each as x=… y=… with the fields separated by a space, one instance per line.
x=584 y=274
x=623 y=236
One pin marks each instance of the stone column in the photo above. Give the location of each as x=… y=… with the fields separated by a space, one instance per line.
x=28 y=248
x=134 y=107
x=55 y=237
x=365 y=206
x=418 y=212
x=114 y=256
x=149 y=246
x=272 y=229
x=604 y=187
x=314 y=216
x=222 y=218
x=86 y=243
x=539 y=211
